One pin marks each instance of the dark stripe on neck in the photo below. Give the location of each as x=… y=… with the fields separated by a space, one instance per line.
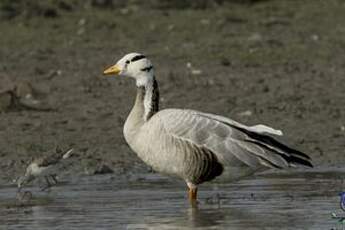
x=138 y=57
x=154 y=100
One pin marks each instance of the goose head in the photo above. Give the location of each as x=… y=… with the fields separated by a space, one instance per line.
x=134 y=65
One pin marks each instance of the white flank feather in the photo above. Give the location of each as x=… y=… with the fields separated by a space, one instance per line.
x=265 y=129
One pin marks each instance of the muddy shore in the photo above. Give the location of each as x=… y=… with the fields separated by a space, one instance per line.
x=279 y=63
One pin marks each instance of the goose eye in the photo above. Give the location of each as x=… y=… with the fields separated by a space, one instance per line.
x=127 y=62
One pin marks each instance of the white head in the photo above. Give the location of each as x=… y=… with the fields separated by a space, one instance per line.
x=133 y=65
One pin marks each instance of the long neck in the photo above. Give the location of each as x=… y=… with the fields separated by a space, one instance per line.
x=146 y=103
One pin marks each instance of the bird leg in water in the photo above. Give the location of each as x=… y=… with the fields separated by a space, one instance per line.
x=46 y=185
x=53 y=177
x=192 y=195
x=50 y=181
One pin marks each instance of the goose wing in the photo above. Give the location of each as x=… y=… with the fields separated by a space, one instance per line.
x=229 y=139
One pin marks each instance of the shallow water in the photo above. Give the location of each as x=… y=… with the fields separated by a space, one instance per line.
x=299 y=200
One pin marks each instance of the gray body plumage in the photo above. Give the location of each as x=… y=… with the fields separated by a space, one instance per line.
x=198 y=146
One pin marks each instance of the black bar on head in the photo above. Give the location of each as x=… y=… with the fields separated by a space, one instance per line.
x=138 y=57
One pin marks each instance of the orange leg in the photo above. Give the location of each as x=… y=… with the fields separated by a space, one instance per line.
x=192 y=195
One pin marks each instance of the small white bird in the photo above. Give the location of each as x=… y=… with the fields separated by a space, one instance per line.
x=192 y=145
x=41 y=167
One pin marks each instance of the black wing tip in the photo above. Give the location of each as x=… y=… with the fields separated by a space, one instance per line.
x=299 y=153
x=309 y=164
x=300 y=161
x=270 y=140
x=284 y=147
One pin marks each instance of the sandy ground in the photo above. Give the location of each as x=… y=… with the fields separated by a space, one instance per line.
x=279 y=63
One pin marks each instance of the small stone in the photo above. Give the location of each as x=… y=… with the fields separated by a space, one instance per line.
x=266 y=89
x=246 y=113
x=82 y=22
x=152 y=26
x=315 y=37
x=225 y=62
x=29 y=102
x=124 y=11
x=102 y=3
x=50 y=13
x=210 y=82
x=23 y=89
x=65 y=6
x=54 y=73
x=103 y=169
x=196 y=71
x=81 y=31
x=255 y=37
x=205 y=22
x=93 y=166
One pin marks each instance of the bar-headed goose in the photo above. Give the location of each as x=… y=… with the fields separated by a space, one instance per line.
x=192 y=145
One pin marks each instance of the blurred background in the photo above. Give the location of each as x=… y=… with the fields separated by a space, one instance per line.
x=279 y=63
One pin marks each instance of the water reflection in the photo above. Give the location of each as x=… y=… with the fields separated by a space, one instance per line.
x=203 y=218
